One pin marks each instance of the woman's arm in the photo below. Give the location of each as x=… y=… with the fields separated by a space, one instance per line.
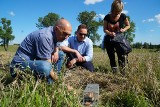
x=127 y=25
x=106 y=31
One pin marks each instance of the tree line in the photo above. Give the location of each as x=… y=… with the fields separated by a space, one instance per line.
x=145 y=45
x=91 y=19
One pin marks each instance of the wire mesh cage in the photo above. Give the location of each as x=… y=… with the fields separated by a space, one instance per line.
x=91 y=95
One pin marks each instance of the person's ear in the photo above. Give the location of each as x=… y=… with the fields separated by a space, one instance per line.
x=58 y=29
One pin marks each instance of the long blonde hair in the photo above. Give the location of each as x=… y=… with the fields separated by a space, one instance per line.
x=117 y=5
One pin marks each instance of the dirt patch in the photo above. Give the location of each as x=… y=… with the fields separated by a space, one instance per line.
x=79 y=77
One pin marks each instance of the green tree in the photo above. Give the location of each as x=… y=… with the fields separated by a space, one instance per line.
x=48 y=20
x=89 y=18
x=151 y=46
x=6 y=32
x=146 y=45
x=129 y=34
x=137 y=45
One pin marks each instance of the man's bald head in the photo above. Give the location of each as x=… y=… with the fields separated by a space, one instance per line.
x=63 y=29
x=63 y=23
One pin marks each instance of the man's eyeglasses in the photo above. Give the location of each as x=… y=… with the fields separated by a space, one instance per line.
x=82 y=34
x=66 y=34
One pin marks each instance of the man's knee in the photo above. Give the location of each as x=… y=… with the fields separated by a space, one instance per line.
x=61 y=54
x=89 y=66
x=44 y=67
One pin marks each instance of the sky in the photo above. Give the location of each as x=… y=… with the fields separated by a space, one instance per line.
x=24 y=15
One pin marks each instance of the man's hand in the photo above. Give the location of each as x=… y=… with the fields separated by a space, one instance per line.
x=79 y=56
x=55 y=57
x=83 y=59
x=71 y=63
x=53 y=75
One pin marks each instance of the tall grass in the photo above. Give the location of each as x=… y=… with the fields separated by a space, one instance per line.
x=139 y=87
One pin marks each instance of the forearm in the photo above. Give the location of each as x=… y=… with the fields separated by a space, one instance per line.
x=56 y=49
x=67 y=49
x=126 y=28
x=107 y=32
x=127 y=25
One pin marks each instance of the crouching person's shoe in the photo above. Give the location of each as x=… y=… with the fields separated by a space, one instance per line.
x=52 y=78
x=54 y=75
x=13 y=73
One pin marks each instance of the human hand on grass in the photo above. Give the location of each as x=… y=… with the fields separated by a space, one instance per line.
x=71 y=63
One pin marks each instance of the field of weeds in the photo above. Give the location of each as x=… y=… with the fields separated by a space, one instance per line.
x=139 y=87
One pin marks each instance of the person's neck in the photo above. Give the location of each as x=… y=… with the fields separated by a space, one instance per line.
x=79 y=40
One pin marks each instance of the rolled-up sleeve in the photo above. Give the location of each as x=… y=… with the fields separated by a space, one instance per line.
x=89 y=52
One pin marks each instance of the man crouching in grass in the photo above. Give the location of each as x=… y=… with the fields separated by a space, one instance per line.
x=81 y=43
x=38 y=50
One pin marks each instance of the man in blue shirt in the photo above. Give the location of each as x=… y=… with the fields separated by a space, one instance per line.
x=38 y=50
x=83 y=45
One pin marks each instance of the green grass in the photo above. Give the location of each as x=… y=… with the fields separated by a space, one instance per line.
x=139 y=87
x=129 y=99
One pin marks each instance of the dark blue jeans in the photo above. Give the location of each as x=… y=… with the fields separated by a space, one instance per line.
x=58 y=65
x=87 y=64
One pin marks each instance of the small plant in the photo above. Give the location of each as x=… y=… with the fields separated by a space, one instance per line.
x=129 y=99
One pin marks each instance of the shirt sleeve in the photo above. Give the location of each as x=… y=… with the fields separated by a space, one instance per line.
x=89 y=51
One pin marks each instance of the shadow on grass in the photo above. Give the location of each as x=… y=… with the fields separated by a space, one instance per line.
x=102 y=69
x=7 y=80
x=5 y=77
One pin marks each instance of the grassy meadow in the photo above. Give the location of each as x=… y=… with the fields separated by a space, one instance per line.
x=139 y=87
